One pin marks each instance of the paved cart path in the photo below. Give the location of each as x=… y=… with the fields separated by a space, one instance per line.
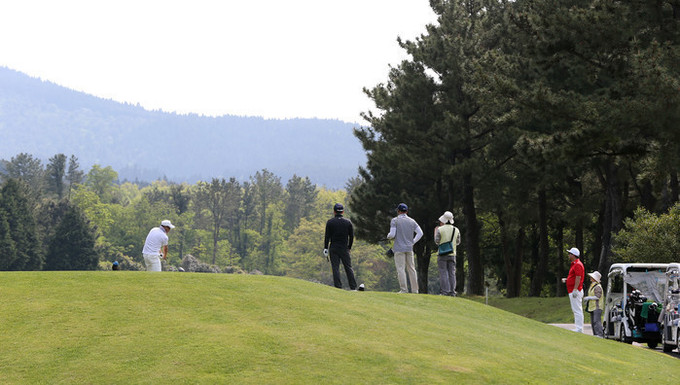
x=588 y=330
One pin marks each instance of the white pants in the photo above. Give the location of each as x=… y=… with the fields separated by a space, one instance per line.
x=577 y=309
x=152 y=262
x=403 y=260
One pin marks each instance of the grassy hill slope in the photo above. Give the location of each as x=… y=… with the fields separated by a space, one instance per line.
x=139 y=327
x=547 y=310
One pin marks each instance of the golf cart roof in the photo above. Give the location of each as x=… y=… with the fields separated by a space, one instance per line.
x=648 y=278
x=619 y=268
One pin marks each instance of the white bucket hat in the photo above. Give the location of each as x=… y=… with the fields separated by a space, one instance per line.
x=447 y=217
x=595 y=275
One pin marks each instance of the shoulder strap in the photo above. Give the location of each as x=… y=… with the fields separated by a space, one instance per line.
x=453 y=233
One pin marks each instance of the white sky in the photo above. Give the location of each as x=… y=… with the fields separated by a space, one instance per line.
x=270 y=58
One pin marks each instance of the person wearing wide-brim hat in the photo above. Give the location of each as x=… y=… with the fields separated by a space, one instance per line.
x=447 y=237
x=595 y=303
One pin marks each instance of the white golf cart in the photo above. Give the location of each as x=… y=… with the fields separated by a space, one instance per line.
x=635 y=293
x=671 y=308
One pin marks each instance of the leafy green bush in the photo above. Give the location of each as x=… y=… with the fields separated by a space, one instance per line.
x=648 y=237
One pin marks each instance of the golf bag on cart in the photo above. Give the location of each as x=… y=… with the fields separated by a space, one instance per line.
x=643 y=316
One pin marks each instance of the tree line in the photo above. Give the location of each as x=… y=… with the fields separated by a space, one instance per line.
x=541 y=125
x=57 y=217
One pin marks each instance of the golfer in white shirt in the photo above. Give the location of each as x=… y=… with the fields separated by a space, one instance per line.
x=156 y=246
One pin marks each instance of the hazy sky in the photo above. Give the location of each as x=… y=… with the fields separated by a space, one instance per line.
x=270 y=58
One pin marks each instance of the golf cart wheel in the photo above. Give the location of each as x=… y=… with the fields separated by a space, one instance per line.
x=667 y=348
x=652 y=344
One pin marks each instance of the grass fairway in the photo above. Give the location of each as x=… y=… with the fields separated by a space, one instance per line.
x=548 y=310
x=173 y=328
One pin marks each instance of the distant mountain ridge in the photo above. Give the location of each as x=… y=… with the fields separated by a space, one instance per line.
x=43 y=119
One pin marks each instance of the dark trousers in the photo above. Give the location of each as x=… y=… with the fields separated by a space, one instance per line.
x=596 y=322
x=447 y=274
x=338 y=255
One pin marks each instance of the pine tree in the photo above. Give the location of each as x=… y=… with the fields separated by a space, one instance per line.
x=429 y=145
x=72 y=246
x=55 y=173
x=15 y=203
x=74 y=175
x=217 y=203
x=301 y=194
x=8 y=251
x=594 y=87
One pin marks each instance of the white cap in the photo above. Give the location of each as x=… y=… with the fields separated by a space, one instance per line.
x=574 y=251
x=167 y=223
x=595 y=275
x=447 y=217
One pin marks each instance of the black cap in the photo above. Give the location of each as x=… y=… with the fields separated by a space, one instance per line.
x=338 y=208
x=402 y=207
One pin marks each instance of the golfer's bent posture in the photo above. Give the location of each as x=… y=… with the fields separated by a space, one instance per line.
x=340 y=235
x=156 y=246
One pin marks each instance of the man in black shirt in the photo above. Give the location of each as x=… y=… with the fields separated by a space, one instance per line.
x=340 y=234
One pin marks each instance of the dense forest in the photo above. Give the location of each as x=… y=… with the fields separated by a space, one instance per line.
x=540 y=125
x=57 y=217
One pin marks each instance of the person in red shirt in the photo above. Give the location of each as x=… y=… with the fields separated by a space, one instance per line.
x=574 y=283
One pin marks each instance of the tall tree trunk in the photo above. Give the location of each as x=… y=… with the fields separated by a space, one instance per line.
x=216 y=236
x=512 y=261
x=423 y=250
x=560 y=265
x=542 y=262
x=180 y=249
x=597 y=241
x=612 y=219
x=461 y=277
x=675 y=189
x=533 y=257
x=515 y=276
x=475 y=282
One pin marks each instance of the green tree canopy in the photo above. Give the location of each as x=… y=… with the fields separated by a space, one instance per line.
x=17 y=213
x=55 y=174
x=102 y=180
x=72 y=246
x=648 y=237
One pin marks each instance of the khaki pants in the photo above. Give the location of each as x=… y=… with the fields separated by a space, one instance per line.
x=403 y=260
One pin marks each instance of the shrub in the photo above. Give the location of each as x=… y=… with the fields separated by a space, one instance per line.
x=649 y=238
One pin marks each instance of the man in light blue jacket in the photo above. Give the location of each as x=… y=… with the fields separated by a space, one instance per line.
x=406 y=233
